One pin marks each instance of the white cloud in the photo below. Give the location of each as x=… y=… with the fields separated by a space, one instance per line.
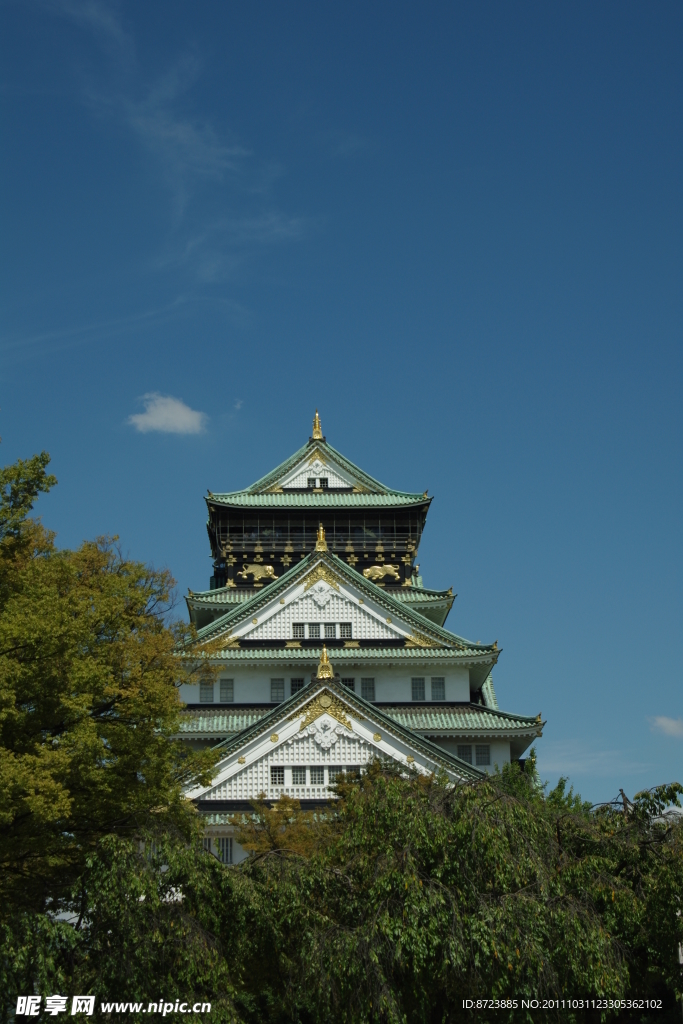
x=167 y=415
x=669 y=726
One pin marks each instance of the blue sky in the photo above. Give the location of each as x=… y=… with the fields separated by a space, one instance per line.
x=453 y=228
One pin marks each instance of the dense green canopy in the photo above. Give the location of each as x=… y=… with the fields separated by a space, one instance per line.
x=88 y=698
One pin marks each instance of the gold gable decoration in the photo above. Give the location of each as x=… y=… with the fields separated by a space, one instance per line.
x=321 y=543
x=324 y=703
x=418 y=639
x=322 y=572
x=228 y=643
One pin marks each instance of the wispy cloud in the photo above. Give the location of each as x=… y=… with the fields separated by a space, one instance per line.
x=190 y=151
x=167 y=415
x=238 y=404
x=668 y=726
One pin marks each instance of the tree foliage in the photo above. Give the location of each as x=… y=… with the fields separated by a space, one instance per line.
x=88 y=699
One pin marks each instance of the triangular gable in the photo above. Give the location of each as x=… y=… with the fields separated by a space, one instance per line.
x=323 y=726
x=317 y=464
x=323 y=588
x=294 y=468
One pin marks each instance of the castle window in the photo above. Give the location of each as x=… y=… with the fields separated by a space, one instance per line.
x=311 y=482
x=330 y=631
x=324 y=483
x=351 y=683
x=206 y=845
x=367 y=689
x=225 y=849
x=227 y=691
x=297 y=684
x=206 y=693
x=418 y=689
x=298 y=776
x=438 y=688
x=483 y=753
x=317 y=776
x=465 y=752
x=277 y=690
x=277 y=775
x=298 y=630
x=314 y=631
x=333 y=773
x=345 y=630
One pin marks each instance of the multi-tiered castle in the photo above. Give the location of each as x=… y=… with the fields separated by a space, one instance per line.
x=330 y=651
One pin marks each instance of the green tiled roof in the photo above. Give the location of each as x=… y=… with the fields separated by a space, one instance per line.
x=238 y=595
x=222 y=595
x=199 y=723
x=461 y=719
x=308 y=499
x=348 y=655
x=420 y=595
x=458 y=719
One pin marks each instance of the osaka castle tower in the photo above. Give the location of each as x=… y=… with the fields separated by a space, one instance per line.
x=330 y=652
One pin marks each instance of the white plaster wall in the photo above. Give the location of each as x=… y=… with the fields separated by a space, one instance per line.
x=500 y=749
x=252 y=686
x=298 y=477
x=337 y=609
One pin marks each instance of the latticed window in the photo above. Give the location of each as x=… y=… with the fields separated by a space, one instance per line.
x=277 y=690
x=277 y=775
x=227 y=691
x=206 y=693
x=317 y=776
x=334 y=773
x=465 y=752
x=418 y=687
x=330 y=631
x=483 y=753
x=311 y=482
x=206 y=844
x=298 y=776
x=367 y=689
x=225 y=849
x=438 y=688
x=345 y=630
x=351 y=683
x=298 y=630
x=314 y=631
x=297 y=684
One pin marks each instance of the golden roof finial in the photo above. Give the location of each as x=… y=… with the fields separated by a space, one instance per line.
x=325 y=670
x=321 y=543
x=317 y=428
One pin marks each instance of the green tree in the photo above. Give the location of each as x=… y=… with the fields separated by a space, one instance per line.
x=88 y=700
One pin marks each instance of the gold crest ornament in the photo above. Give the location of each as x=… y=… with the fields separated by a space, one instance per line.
x=317 y=434
x=321 y=543
x=325 y=670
